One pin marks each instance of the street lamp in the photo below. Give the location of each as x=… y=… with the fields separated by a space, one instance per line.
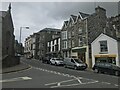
x=21 y=32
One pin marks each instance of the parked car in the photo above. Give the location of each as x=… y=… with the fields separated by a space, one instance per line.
x=45 y=60
x=56 y=61
x=106 y=67
x=74 y=63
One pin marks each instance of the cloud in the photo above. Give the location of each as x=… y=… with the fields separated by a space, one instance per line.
x=39 y=15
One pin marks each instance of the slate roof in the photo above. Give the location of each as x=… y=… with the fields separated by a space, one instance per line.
x=83 y=15
x=50 y=29
x=74 y=17
x=118 y=39
x=66 y=22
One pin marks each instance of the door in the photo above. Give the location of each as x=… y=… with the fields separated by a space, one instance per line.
x=72 y=63
x=53 y=61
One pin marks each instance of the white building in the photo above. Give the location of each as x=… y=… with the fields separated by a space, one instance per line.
x=53 y=47
x=106 y=49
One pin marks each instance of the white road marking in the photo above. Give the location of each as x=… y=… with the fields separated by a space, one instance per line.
x=16 y=79
x=106 y=82
x=67 y=75
x=58 y=84
x=51 y=83
x=116 y=85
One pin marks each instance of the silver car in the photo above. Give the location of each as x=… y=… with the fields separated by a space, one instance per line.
x=74 y=63
x=56 y=61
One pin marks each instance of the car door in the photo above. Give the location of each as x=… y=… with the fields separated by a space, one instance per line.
x=53 y=61
x=72 y=63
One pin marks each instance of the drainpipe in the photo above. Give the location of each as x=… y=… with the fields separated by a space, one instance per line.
x=87 y=46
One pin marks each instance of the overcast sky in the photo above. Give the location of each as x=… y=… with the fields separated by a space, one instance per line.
x=39 y=15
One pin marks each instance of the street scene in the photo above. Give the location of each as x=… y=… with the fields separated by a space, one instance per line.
x=41 y=75
x=49 y=45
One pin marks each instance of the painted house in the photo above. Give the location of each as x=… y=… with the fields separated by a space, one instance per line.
x=106 y=49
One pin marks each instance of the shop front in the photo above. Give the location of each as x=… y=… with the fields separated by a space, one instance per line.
x=80 y=53
x=110 y=58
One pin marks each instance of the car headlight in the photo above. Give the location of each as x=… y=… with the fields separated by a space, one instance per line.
x=78 y=64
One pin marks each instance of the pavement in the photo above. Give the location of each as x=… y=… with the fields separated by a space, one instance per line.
x=21 y=66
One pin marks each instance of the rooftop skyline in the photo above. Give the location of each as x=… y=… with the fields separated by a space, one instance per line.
x=39 y=15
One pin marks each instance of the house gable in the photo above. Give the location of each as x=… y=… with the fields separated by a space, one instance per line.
x=106 y=37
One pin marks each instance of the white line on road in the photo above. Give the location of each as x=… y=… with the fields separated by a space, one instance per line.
x=16 y=79
x=116 y=85
x=106 y=83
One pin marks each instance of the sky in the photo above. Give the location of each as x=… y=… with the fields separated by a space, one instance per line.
x=39 y=15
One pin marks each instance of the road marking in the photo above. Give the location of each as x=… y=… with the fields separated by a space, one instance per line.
x=116 y=85
x=58 y=84
x=106 y=83
x=16 y=79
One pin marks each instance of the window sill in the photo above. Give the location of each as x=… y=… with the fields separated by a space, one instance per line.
x=103 y=52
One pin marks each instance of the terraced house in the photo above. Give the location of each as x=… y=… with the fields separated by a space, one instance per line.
x=79 y=31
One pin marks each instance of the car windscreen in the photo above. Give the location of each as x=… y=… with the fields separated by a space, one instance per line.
x=78 y=60
x=59 y=59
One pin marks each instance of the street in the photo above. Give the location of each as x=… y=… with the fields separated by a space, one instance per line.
x=49 y=76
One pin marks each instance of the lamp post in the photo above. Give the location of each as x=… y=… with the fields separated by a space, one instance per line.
x=21 y=32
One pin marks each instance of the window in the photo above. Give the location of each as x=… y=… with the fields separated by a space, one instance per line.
x=80 y=41
x=69 y=42
x=64 y=44
x=80 y=31
x=72 y=61
x=48 y=44
x=73 y=43
x=103 y=46
x=64 y=35
x=33 y=40
x=73 y=33
x=69 y=34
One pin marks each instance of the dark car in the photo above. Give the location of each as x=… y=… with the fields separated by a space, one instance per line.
x=74 y=63
x=46 y=60
x=106 y=68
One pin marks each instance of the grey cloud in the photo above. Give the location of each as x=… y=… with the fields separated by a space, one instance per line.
x=39 y=15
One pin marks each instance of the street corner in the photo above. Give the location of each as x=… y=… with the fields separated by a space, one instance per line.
x=17 y=68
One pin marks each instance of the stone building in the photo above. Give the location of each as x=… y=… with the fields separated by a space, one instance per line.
x=28 y=47
x=19 y=49
x=79 y=31
x=8 y=38
x=53 y=47
x=115 y=21
x=46 y=35
x=35 y=45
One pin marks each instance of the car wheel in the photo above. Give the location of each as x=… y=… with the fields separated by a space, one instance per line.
x=96 y=70
x=75 y=67
x=116 y=73
x=55 y=64
x=50 y=63
x=65 y=66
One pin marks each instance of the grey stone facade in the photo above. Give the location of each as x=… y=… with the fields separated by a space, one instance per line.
x=46 y=35
x=115 y=22
x=53 y=47
x=8 y=38
x=35 y=45
x=28 y=47
x=19 y=49
x=82 y=30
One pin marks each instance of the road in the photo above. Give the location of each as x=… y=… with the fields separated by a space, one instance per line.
x=49 y=76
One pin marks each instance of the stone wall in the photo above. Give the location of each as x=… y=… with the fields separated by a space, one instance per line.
x=10 y=61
